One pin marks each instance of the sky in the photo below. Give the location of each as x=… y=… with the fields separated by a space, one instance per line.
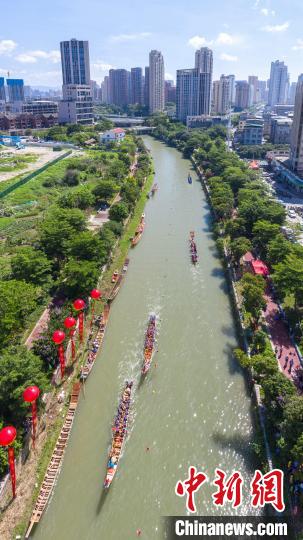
x=245 y=35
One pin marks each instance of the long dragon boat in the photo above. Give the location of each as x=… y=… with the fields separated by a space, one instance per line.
x=193 y=247
x=139 y=231
x=119 y=434
x=154 y=189
x=115 y=289
x=149 y=343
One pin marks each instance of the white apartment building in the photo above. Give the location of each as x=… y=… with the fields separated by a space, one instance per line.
x=156 y=82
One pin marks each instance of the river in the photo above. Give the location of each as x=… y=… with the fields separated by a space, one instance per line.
x=192 y=409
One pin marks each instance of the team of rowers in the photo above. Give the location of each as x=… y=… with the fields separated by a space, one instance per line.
x=149 y=343
x=193 y=247
x=119 y=429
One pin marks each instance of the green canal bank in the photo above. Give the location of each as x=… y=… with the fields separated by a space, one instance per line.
x=193 y=408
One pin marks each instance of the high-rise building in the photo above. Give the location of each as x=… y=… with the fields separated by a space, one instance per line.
x=253 y=81
x=262 y=88
x=296 y=140
x=119 y=87
x=105 y=98
x=232 y=88
x=292 y=93
x=204 y=64
x=2 y=89
x=77 y=104
x=15 y=90
x=136 y=85
x=170 y=92
x=156 y=82
x=95 y=91
x=278 y=83
x=221 y=99
x=204 y=60
x=192 y=94
x=243 y=95
x=146 y=86
x=75 y=62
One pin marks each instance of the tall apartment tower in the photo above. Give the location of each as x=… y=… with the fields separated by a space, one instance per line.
x=296 y=140
x=77 y=104
x=119 y=87
x=15 y=90
x=136 y=85
x=146 y=86
x=204 y=64
x=278 y=84
x=2 y=90
x=75 y=62
x=105 y=90
x=222 y=95
x=156 y=82
x=243 y=95
x=253 y=82
x=192 y=93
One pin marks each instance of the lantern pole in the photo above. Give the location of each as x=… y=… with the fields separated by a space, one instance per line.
x=30 y=395
x=79 y=306
x=70 y=324
x=58 y=338
x=7 y=437
x=95 y=295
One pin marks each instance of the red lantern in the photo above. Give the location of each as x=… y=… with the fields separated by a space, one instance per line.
x=79 y=305
x=58 y=338
x=95 y=295
x=30 y=395
x=7 y=437
x=70 y=324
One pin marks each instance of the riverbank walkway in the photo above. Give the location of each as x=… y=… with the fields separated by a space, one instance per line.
x=285 y=351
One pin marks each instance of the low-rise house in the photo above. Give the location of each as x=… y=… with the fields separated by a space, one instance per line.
x=112 y=135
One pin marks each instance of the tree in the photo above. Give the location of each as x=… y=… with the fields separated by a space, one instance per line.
x=118 y=212
x=264 y=365
x=107 y=238
x=235 y=177
x=80 y=197
x=114 y=227
x=71 y=177
x=239 y=247
x=79 y=277
x=19 y=368
x=278 y=248
x=288 y=277
x=263 y=232
x=31 y=265
x=105 y=190
x=57 y=228
x=253 y=291
x=17 y=301
x=87 y=246
x=130 y=193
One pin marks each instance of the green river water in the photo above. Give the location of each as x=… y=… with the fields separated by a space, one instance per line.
x=193 y=407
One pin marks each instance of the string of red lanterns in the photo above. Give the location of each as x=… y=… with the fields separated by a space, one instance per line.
x=58 y=338
x=95 y=294
x=7 y=436
x=79 y=306
x=70 y=324
x=30 y=395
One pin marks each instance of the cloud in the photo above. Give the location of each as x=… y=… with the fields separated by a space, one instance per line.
x=198 y=41
x=227 y=39
x=266 y=12
x=169 y=77
x=228 y=57
x=31 y=57
x=276 y=28
x=222 y=39
x=7 y=46
x=129 y=37
x=99 y=68
x=298 y=46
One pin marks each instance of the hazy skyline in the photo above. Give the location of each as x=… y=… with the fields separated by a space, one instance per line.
x=245 y=35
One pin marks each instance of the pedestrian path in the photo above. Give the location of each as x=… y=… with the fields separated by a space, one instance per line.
x=285 y=350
